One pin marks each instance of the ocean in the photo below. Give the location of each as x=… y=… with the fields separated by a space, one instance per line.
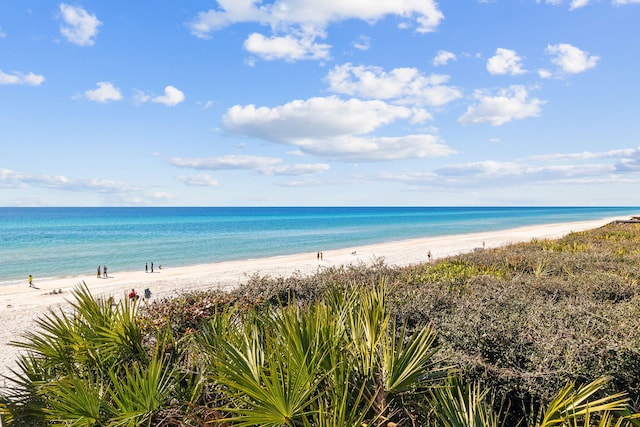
x=57 y=242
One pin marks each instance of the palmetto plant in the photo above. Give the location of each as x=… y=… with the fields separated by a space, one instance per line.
x=90 y=367
x=339 y=362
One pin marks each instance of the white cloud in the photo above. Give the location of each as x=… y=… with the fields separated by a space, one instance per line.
x=373 y=148
x=545 y=74
x=316 y=14
x=17 y=78
x=401 y=84
x=509 y=104
x=297 y=24
x=139 y=97
x=261 y=165
x=105 y=92
x=79 y=27
x=575 y=168
x=316 y=117
x=286 y=47
x=505 y=61
x=15 y=179
x=172 y=96
x=199 y=180
x=362 y=43
x=443 y=58
x=333 y=128
x=570 y=59
x=577 y=4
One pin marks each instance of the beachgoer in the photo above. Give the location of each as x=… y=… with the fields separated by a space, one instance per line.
x=318 y=255
x=146 y=267
x=152 y=267
x=147 y=293
x=429 y=255
x=133 y=296
x=104 y=269
x=99 y=272
x=30 y=281
x=321 y=256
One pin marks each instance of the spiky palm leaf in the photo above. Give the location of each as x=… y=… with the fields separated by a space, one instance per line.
x=141 y=392
x=456 y=405
x=75 y=402
x=573 y=403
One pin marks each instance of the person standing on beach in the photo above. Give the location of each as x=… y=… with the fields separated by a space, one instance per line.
x=104 y=269
x=30 y=281
x=429 y=255
x=146 y=267
x=99 y=272
x=152 y=267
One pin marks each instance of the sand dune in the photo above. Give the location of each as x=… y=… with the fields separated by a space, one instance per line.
x=21 y=305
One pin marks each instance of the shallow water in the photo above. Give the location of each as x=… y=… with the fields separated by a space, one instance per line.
x=48 y=242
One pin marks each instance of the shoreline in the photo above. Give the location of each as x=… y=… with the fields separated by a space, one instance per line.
x=22 y=305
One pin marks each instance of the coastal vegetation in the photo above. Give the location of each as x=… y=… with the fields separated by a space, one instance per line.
x=538 y=334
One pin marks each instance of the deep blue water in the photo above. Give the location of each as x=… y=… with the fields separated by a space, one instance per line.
x=49 y=242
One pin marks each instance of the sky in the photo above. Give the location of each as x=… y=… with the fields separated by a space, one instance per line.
x=319 y=103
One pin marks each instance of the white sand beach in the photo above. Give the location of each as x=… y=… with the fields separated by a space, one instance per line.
x=21 y=305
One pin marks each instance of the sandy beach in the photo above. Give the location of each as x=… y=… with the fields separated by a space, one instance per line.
x=21 y=305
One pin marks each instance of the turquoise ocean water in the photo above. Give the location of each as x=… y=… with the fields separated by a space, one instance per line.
x=53 y=242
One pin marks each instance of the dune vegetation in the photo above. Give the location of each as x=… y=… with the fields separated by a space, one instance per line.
x=545 y=333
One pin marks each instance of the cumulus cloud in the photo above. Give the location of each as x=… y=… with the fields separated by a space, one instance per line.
x=316 y=117
x=315 y=14
x=17 y=78
x=400 y=84
x=261 y=165
x=78 y=26
x=199 y=180
x=334 y=128
x=287 y=47
x=505 y=61
x=172 y=96
x=105 y=92
x=571 y=60
x=297 y=24
x=577 y=4
x=443 y=57
x=509 y=104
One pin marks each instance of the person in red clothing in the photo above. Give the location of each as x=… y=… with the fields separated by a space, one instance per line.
x=133 y=296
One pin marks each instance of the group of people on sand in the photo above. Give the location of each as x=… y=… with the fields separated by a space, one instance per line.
x=133 y=295
x=146 y=267
x=104 y=272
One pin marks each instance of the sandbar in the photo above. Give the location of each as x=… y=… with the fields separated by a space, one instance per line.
x=21 y=305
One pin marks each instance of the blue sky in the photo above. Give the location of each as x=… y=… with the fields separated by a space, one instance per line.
x=319 y=102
